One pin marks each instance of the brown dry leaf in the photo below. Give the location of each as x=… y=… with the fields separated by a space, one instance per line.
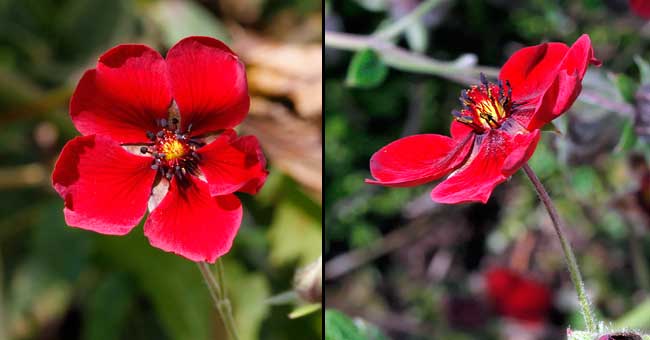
x=244 y=11
x=283 y=69
x=293 y=145
x=280 y=72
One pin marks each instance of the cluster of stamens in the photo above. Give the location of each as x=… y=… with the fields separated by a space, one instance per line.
x=485 y=106
x=173 y=151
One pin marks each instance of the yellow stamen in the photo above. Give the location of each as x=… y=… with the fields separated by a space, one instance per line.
x=173 y=149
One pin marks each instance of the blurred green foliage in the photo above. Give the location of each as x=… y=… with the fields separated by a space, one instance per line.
x=58 y=282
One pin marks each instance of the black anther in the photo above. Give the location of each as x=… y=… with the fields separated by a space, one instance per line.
x=144 y=149
x=484 y=80
x=150 y=135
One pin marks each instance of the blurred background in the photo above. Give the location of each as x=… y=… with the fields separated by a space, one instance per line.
x=58 y=282
x=398 y=265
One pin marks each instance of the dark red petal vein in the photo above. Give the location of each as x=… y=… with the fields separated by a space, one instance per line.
x=418 y=159
x=531 y=70
x=191 y=223
x=232 y=163
x=105 y=188
x=124 y=96
x=523 y=147
x=475 y=180
x=209 y=84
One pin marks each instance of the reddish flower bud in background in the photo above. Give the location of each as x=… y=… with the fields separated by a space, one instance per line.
x=640 y=8
x=497 y=129
x=158 y=132
x=516 y=296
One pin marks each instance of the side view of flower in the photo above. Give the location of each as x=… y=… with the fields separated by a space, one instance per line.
x=157 y=134
x=497 y=129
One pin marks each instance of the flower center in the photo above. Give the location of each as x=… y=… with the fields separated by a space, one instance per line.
x=485 y=106
x=171 y=147
x=174 y=152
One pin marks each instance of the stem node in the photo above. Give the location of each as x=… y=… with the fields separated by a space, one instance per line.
x=218 y=294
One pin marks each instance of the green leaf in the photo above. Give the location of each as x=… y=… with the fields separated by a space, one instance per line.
x=180 y=19
x=85 y=27
x=172 y=283
x=41 y=286
x=637 y=317
x=106 y=312
x=628 y=137
x=551 y=127
x=295 y=232
x=644 y=69
x=338 y=326
x=247 y=291
x=366 y=70
x=626 y=87
x=303 y=310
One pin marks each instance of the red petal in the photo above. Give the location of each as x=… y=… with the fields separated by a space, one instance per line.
x=209 y=84
x=499 y=283
x=475 y=181
x=524 y=146
x=529 y=301
x=459 y=130
x=191 y=223
x=517 y=296
x=532 y=69
x=641 y=8
x=124 y=96
x=233 y=164
x=417 y=159
x=105 y=187
x=553 y=91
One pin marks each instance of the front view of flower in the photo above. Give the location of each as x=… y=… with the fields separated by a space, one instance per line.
x=497 y=129
x=157 y=134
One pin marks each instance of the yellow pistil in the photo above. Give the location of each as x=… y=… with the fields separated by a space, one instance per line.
x=173 y=149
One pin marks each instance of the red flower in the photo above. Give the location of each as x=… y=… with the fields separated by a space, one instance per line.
x=496 y=131
x=641 y=8
x=518 y=297
x=168 y=111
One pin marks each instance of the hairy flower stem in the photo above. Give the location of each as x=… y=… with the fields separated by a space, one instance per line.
x=218 y=294
x=570 y=258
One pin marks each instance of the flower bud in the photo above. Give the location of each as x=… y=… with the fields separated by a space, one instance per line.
x=308 y=281
x=620 y=336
